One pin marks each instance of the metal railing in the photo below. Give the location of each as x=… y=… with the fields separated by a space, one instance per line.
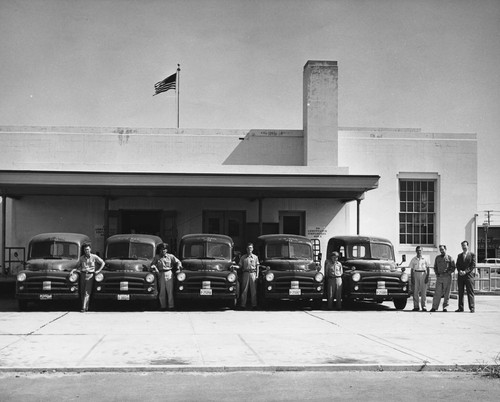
x=487 y=279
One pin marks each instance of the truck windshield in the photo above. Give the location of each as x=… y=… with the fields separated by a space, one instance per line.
x=130 y=251
x=289 y=250
x=54 y=249
x=215 y=250
x=365 y=250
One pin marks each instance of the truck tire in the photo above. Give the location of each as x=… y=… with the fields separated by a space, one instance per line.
x=22 y=305
x=400 y=304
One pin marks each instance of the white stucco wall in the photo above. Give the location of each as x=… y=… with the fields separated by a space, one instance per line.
x=450 y=158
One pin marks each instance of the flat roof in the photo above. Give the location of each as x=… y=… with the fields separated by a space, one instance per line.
x=18 y=183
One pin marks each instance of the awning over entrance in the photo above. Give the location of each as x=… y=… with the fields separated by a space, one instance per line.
x=240 y=185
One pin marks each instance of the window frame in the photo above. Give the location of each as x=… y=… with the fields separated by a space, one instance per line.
x=423 y=217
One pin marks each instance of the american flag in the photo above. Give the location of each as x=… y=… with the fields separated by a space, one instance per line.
x=166 y=84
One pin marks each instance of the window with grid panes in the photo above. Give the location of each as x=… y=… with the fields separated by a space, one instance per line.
x=417 y=211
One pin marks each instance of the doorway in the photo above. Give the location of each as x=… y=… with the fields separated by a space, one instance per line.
x=229 y=223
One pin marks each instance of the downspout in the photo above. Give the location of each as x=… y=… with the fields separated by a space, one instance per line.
x=4 y=214
x=106 y=222
x=260 y=217
x=358 y=202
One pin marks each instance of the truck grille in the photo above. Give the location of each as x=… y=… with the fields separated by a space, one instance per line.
x=58 y=284
x=112 y=285
x=195 y=284
x=369 y=284
x=284 y=283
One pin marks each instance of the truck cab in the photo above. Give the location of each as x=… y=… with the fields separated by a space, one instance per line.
x=47 y=274
x=289 y=269
x=126 y=275
x=208 y=270
x=370 y=270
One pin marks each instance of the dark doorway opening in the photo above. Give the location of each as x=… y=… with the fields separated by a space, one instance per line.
x=142 y=222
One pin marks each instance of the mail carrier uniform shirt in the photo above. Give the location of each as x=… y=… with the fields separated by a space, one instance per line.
x=88 y=264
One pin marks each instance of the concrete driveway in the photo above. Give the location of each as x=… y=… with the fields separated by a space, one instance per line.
x=371 y=337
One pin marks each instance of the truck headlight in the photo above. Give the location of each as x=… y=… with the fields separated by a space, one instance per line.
x=269 y=276
x=150 y=278
x=404 y=277
x=73 y=277
x=318 y=277
x=99 y=277
x=231 y=277
x=181 y=276
x=21 y=277
x=356 y=277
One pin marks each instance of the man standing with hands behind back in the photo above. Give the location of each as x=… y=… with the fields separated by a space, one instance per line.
x=466 y=264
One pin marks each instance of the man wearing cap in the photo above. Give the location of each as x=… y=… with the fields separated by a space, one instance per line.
x=419 y=278
x=333 y=272
x=164 y=265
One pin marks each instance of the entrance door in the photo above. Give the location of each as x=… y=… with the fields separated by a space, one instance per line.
x=229 y=223
x=292 y=222
x=141 y=222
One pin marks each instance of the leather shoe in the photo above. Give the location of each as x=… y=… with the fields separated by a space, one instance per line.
x=472 y=310
x=432 y=310
x=445 y=311
x=459 y=310
x=416 y=309
x=424 y=309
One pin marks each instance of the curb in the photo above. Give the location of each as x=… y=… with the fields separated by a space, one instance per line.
x=231 y=369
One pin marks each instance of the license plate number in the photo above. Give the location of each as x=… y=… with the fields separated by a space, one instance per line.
x=45 y=297
x=294 y=292
x=205 y=292
x=381 y=292
x=123 y=297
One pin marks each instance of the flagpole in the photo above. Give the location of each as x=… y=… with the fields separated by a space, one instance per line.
x=177 y=87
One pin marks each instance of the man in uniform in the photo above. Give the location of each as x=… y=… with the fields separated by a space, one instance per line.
x=444 y=266
x=419 y=277
x=249 y=265
x=333 y=272
x=164 y=264
x=86 y=267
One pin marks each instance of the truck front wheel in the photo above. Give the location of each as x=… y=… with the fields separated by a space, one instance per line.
x=22 y=305
x=400 y=304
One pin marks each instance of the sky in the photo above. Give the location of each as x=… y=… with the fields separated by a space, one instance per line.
x=426 y=64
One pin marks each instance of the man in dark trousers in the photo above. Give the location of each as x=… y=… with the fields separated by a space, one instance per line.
x=466 y=264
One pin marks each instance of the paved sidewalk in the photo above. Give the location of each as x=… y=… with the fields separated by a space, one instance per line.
x=379 y=338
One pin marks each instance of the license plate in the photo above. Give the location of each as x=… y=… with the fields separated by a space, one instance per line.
x=47 y=285
x=124 y=286
x=294 y=292
x=45 y=297
x=205 y=292
x=123 y=297
x=381 y=292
